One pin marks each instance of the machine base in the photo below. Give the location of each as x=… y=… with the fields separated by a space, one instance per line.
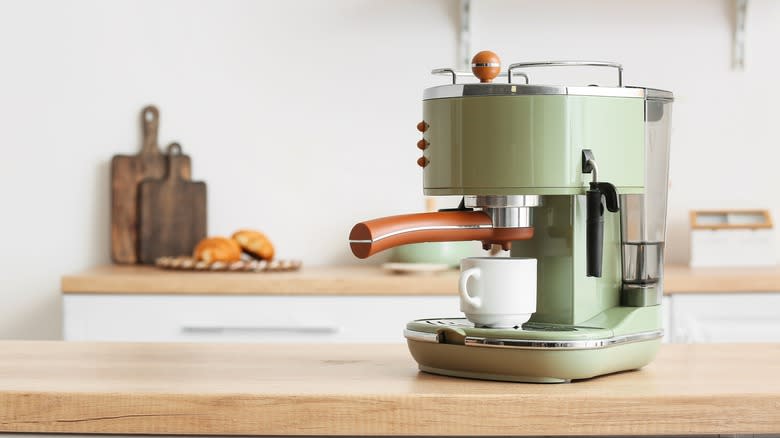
x=480 y=376
x=527 y=355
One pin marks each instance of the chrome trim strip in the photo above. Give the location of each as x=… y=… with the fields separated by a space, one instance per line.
x=428 y=228
x=656 y=94
x=421 y=336
x=467 y=90
x=530 y=344
x=501 y=201
x=474 y=341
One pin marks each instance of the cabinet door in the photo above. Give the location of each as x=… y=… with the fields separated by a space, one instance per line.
x=189 y=318
x=738 y=317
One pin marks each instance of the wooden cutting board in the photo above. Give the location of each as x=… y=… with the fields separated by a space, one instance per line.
x=127 y=171
x=171 y=212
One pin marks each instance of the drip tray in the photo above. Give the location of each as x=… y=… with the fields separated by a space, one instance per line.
x=535 y=352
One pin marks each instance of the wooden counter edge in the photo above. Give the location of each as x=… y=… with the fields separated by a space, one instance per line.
x=368 y=280
x=687 y=280
x=351 y=280
x=377 y=414
x=369 y=389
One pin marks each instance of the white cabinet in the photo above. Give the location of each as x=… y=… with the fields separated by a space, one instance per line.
x=738 y=317
x=666 y=319
x=687 y=318
x=247 y=318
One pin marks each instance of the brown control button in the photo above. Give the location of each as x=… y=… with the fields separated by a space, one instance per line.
x=422 y=161
x=422 y=144
x=486 y=65
x=422 y=126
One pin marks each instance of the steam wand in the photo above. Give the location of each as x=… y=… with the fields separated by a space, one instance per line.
x=594 y=233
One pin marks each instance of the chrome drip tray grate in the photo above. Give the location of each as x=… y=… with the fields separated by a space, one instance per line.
x=463 y=323
x=460 y=331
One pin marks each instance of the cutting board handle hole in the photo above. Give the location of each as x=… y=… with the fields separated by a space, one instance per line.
x=174 y=149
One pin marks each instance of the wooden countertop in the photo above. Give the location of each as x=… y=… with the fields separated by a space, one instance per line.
x=254 y=389
x=367 y=280
x=686 y=280
x=341 y=280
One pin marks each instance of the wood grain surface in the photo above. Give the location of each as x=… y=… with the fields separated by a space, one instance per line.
x=687 y=280
x=253 y=389
x=171 y=211
x=368 y=280
x=345 y=280
x=127 y=172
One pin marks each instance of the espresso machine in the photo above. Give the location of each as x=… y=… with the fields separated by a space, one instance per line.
x=573 y=176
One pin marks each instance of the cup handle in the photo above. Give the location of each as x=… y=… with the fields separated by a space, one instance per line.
x=475 y=302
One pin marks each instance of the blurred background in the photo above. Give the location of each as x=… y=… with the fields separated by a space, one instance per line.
x=301 y=115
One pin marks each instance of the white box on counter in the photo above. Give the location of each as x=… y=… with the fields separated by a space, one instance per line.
x=732 y=238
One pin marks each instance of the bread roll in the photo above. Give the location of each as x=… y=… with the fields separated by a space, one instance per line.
x=255 y=243
x=217 y=249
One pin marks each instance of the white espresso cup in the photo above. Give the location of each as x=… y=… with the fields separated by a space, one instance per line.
x=497 y=291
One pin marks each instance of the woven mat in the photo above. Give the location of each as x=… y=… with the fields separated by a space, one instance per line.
x=190 y=264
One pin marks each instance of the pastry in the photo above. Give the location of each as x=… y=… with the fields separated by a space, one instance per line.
x=255 y=244
x=217 y=249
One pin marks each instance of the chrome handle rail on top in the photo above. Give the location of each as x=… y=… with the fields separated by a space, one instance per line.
x=455 y=74
x=510 y=71
x=619 y=67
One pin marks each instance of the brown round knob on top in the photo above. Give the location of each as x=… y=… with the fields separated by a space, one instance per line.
x=422 y=126
x=486 y=65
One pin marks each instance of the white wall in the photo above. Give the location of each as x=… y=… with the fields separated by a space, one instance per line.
x=300 y=115
x=725 y=149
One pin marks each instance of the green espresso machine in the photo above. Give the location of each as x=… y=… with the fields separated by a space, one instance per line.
x=573 y=176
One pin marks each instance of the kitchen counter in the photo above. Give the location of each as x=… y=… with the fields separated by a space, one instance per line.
x=255 y=389
x=340 y=280
x=366 y=280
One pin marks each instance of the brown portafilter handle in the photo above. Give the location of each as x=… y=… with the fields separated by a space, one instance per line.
x=486 y=65
x=370 y=237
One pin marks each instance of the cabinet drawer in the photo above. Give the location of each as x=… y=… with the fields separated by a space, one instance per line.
x=189 y=318
x=743 y=317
